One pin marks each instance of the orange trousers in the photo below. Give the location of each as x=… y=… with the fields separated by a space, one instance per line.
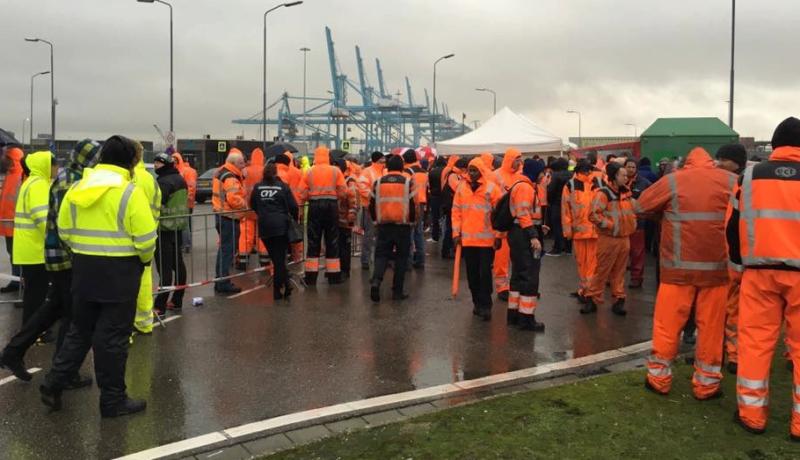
x=586 y=257
x=766 y=299
x=249 y=241
x=673 y=306
x=502 y=260
x=612 y=260
x=732 y=322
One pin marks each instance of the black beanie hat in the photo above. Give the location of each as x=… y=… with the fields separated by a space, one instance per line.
x=462 y=163
x=410 y=156
x=394 y=163
x=611 y=170
x=583 y=166
x=787 y=134
x=118 y=151
x=734 y=152
x=376 y=156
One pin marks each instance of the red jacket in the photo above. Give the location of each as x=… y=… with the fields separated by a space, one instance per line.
x=8 y=196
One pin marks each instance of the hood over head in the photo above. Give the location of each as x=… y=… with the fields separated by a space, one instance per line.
x=178 y=159
x=699 y=158
x=96 y=182
x=257 y=157
x=14 y=153
x=488 y=159
x=39 y=164
x=322 y=156
x=479 y=163
x=532 y=168
x=508 y=159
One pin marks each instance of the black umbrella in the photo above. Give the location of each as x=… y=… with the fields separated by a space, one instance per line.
x=337 y=154
x=278 y=148
x=7 y=139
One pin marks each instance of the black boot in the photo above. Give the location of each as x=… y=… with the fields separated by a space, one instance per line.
x=276 y=292
x=512 y=316
x=16 y=366
x=375 y=293
x=485 y=313
x=311 y=278
x=287 y=291
x=335 y=278
x=582 y=299
x=51 y=397
x=78 y=382
x=126 y=407
x=619 y=308
x=537 y=326
x=588 y=307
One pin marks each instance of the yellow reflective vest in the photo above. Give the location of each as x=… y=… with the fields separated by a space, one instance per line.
x=105 y=214
x=30 y=217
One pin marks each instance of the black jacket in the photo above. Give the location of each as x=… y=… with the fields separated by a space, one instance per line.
x=274 y=204
x=435 y=180
x=557 y=182
x=169 y=181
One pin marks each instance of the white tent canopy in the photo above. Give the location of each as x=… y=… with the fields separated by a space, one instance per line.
x=504 y=130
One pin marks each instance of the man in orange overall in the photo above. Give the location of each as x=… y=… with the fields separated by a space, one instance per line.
x=693 y=201
x=248 y=228
x=576 y=203
x=762 y=236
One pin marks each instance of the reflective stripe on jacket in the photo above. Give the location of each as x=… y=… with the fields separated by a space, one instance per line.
x=323 y=181
x=472 y=210
x=227 y=192
x=30 y=218
x=348 y=206
x=105 y=214
x=576 y=203
x=613 y=212
x=769 y=212
x=367 y=180
x=392 y=202
x=693 y=201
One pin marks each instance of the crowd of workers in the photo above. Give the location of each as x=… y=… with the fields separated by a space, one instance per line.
x=727 y=252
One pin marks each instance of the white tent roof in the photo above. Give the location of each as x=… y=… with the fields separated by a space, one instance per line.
x=504 y=130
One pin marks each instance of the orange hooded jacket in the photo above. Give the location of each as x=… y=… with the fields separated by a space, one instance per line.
x=693 y=201
x=253 y=173
x=613 y=211
x=10 y=188
x=505 y=175
x=576 y=204
x=227 y=190
x=323 y=181
x=472 y=209
x=189 y=175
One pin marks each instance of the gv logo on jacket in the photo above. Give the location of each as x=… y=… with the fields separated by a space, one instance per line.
x=267 y=193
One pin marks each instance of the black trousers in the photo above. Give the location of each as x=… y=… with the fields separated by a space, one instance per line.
x=58 y=306
x=278 y=247
x=524 y=268
x=106 y=329
x=556 y=229
x=479 y=275
x=391 y=238
x=36 y=280
x=323 y=223
x=169 y=261
x=435 y=206
x=447 y=241
x=345 y=249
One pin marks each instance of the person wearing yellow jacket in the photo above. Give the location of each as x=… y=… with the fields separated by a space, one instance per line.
x=30 y=228
x=107 y=223
x=143 y=321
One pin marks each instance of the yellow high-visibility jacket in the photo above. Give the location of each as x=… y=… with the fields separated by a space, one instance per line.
x=105 y=214
x=30 y=217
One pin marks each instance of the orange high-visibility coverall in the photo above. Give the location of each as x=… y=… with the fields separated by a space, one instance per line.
x=576 y=203
x=762 y=236
x=505 y=177
x=248 y=230
x=693 y=201
x=613 y=214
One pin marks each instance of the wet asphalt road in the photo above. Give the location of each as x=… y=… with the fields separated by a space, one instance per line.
x=234 y=361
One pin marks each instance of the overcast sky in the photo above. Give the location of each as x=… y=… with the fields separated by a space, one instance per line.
x=617 y=61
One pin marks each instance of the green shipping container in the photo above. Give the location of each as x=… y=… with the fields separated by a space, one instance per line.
x=675 y=137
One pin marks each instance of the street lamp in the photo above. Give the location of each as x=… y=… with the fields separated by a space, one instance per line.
x=433 y=121
x=24 y=122
x=580 y=136
x=494 y=97
x=30 y=136
x=733 y=42
x=52 y=92
x=305 y=51
x=264 y=81
x=171 y=89
x=635 y=129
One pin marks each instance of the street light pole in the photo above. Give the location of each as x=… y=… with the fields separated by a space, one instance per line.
x=30 y=136
x=635 y=129
x=171 y=86
x=494 y=97
x=305 y=51
x=52 y=92
x=264 y=80
x=733 y=42
x=433 y=120
x=580 y=135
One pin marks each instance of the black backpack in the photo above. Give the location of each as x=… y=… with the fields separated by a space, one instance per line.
x=502 y=219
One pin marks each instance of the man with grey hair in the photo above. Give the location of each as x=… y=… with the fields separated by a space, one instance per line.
x=228 y=201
